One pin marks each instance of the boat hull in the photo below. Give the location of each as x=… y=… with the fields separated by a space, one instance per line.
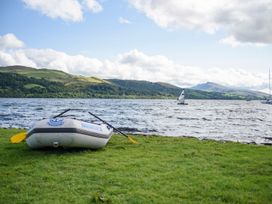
x=182 y=103
x=70 y=140
x=68 y=133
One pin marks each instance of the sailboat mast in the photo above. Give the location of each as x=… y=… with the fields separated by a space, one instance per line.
x=269 y=85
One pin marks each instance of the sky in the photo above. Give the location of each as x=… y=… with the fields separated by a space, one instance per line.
x=183 y=42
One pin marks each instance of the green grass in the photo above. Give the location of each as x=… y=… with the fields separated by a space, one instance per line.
x=94 y=80
x=158 y=170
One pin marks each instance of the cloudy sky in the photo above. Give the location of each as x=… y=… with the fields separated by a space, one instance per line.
x=183 y=42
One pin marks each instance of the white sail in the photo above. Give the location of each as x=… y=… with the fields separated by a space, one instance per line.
x=181 y=98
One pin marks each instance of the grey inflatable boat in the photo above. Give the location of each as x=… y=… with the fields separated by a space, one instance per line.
x=67 y=132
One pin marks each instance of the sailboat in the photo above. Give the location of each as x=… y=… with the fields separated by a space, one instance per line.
x=181 y=99
x=269 y=99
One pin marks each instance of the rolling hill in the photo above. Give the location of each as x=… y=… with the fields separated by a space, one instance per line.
x=20 y=81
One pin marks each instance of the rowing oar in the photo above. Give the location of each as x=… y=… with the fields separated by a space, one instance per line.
x=19 y=137
x=62 y=113
x=129 y=138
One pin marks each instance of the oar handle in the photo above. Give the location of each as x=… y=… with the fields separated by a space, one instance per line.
x=107 y=124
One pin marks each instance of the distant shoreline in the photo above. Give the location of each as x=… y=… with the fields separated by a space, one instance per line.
x=144 y=98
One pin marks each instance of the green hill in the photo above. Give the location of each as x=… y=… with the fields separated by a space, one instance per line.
x=50 y=75
x=20 y=81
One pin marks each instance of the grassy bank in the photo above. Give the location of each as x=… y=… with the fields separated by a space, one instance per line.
x=158 y=170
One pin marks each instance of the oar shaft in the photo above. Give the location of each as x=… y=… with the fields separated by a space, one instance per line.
x=107 y=124
x=62 y=113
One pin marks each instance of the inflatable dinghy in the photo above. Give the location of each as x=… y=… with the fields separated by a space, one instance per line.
x=66 y=132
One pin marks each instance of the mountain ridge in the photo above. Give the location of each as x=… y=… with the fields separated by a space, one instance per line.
x=214 y=87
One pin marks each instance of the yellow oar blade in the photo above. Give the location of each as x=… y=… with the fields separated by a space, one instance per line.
x=132 y=140
x=18 y=138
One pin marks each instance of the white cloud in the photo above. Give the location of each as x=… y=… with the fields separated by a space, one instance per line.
x=230 y=40
x=6 y=59
x=10 y=41
x=124 y=20
x=130 y=65
x=246 y=21
x=94 y=6
x=75 y=64
x=68 y=10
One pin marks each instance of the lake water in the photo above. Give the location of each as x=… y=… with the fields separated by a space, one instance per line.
x=240 y=121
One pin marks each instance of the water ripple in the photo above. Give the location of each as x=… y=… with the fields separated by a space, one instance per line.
x=241 y=121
